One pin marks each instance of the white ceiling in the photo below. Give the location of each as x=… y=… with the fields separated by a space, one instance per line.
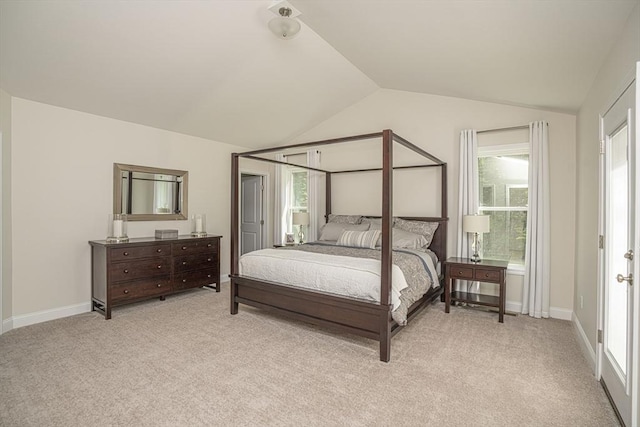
x=212 y=68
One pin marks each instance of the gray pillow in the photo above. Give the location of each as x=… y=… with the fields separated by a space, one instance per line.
x=405 y=239
x=427 y=229
x=333 y=230
x=345 y=219
x=376 y=223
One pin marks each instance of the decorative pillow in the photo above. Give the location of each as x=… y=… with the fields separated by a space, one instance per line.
x=333 y=230
x=376 y=223
x=427 y=229
x=359 y=239
x=405 y=239
x=345 y=219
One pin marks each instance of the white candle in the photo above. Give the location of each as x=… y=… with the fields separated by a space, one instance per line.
x=198 y=225
x=117 y=228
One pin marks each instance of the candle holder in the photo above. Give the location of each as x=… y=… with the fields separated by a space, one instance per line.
x=117 y=228
x=198 y=225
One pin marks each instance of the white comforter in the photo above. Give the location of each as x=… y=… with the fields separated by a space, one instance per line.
x=347 y=276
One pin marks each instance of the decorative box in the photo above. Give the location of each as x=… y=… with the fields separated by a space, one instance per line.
x=166 y=234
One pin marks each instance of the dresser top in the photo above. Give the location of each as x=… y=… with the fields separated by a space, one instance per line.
x=151 y=240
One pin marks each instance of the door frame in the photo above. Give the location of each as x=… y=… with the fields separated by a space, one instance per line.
x=633 y=364
x=266 y=231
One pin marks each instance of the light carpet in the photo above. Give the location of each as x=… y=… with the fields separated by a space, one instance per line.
x=186 y=362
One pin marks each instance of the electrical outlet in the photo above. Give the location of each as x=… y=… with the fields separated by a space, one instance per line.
x=581 y=301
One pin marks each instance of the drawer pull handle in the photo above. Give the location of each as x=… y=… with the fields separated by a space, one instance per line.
x=208 y=259
x=159 y=250
x=126 y=254
x=184 y=248
x=126 y=291
x=126 y=271
x=184 y=280
x=208 y=276
x=486 y=274
x=159 y=285
x=209 y=245
x=459 y=272
x=184 y=262
x=159 y=267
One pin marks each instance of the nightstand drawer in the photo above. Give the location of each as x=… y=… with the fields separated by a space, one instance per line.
x=461 y=272
x=491 y=275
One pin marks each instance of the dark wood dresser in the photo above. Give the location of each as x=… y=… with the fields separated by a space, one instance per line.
x=146 y=268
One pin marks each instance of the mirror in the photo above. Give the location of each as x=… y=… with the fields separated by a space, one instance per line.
x=149 y=194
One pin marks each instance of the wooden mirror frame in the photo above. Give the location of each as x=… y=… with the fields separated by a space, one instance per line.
x=119 y=168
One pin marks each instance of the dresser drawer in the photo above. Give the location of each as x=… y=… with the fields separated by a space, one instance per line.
x=124 y=253
x=460 y=272
x=141 y=289
x=122 y=271
x=491 y=275
x=195 y=247
x=194 y=262
x=191 y=279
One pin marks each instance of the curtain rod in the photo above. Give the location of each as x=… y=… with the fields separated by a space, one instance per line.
x=502 y=129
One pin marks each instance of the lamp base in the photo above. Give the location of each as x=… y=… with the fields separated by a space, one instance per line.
x=475 y=258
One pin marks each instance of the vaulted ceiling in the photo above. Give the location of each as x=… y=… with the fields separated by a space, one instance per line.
x=212 y=68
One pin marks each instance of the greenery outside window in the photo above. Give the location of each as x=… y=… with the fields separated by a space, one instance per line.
x=503 y=173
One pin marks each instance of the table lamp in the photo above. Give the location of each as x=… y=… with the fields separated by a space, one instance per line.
x=300 y=219
x=475 y=224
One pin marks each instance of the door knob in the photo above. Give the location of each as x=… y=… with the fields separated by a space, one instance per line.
x=620 y=278
x=629 y=255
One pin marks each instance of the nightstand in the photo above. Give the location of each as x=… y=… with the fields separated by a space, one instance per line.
x=489 y=271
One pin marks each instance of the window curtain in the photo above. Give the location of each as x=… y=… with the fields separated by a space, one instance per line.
x=313 y=190
x=468 y=192
x=282 y=201
x=535 y=294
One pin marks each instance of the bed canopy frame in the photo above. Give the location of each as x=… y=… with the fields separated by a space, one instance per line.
x=368 y=319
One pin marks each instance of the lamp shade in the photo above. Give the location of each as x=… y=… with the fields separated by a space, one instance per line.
x=300 y=218
x=475 y=223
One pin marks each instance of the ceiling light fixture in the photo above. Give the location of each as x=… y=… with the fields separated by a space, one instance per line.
x=284 y=26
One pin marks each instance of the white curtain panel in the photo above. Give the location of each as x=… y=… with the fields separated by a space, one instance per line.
x=313 y=188
x=468 y=192
x=282 y=201
x=535 y=294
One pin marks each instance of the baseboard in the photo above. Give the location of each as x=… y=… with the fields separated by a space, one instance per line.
x=46 y=315
x=560 y=313
x=224 y=278
x=585 y=345
x=7 y=325
x=554 y=312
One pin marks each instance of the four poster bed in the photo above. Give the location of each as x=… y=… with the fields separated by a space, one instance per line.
x=373 y=317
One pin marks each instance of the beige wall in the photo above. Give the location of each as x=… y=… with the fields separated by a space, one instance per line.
x=434 y=123
x=618 y=67
x=5 y=251
x=62 y=166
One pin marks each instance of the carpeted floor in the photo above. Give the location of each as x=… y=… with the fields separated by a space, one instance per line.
x=186 y=361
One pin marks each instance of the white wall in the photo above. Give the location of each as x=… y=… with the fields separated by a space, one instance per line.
x=434 y=123
x=62 y=167
x=5 y=250
x=618 y=66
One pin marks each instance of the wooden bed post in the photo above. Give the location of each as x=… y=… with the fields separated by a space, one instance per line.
x=327 y=196
x=386 y=257
x=234 y=231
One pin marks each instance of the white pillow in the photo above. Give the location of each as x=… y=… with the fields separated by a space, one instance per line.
x=333 y=230
x=359 y=239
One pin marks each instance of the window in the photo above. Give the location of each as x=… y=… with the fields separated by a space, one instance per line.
x=299 y=195
x=503 y=173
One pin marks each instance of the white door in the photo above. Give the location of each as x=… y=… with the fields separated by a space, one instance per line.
x=251 y=222
x=619 y=250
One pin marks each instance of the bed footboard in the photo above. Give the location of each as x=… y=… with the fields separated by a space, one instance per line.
x=360 y=318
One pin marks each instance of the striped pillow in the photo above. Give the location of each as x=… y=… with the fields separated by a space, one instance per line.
x=359 y=239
